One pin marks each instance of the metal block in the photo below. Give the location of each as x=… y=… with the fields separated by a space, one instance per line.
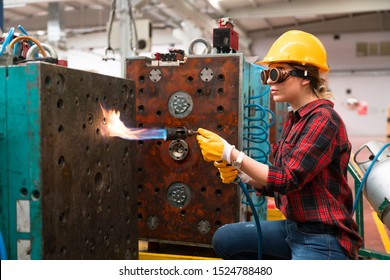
x=181 y=197
x=66 y=190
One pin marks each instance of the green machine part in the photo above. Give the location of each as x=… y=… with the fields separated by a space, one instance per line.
x=65 y=189
x=256 y=119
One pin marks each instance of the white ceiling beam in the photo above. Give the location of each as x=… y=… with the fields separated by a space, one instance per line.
x=22 y=2
x=302 y=8
x=12 y=3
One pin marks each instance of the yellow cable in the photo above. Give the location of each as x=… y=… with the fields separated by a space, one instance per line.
x=382 y=232
x=11 y=45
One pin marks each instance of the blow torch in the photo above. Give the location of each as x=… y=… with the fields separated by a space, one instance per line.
x=180 y=132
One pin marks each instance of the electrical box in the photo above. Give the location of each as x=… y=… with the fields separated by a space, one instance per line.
x=66 y=191
x=181 y=198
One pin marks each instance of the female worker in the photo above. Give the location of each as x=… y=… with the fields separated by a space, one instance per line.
x=308 y=178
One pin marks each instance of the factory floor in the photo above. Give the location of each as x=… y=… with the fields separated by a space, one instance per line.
x=376 y=235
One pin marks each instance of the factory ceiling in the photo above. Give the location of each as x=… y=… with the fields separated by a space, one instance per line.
x=254 y=19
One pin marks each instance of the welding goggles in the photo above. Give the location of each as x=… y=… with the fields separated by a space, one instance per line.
x=278 y=75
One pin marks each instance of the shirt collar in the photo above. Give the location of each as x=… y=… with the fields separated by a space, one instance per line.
x=306 y=109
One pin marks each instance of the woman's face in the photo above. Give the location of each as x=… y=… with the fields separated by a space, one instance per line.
x=288 y=90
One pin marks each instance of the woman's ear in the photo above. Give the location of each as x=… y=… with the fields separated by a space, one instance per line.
x=305 y=82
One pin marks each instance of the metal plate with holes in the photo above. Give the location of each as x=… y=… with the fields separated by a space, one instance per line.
x=181 y=198
x=77 y=183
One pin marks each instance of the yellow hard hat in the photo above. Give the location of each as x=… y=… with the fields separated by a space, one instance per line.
x=298 y=47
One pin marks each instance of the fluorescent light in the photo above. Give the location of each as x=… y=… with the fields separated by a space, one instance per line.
x=14 y=5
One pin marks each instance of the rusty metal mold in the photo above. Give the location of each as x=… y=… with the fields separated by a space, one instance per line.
x=181 y=197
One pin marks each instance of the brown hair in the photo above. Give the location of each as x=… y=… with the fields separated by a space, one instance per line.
x=317 y=82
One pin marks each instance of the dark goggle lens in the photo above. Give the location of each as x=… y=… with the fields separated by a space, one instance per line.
x=264 y=76
x=276 y=75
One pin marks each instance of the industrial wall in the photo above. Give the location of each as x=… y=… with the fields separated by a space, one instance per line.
x=366 y=78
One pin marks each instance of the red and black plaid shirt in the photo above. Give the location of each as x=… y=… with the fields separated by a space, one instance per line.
x=309 y=175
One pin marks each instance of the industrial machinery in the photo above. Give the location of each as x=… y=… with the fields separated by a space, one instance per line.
x=377 y=185
x=181 y=198
x=66 y=191
x=373 y=160
x=225 y=38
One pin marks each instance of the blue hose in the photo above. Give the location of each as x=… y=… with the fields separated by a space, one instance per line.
x=362 y=183
x=256 y=217
x=3 y=252
x=7 y=40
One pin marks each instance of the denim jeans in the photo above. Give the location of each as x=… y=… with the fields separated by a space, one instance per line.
x=281 y=239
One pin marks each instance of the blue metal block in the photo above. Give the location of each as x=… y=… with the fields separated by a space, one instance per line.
x=256 y=119
x=65 y=190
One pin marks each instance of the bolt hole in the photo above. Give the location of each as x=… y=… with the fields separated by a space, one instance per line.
x=63 y=250
x=23 y=191
x=35 y=195
x=221 y=77
x=99 y=181
x=218 y=192
x=48 y=82
x=60 y=104
x=61 y=161
x=220 y=109
x=62 y=219
x=90 y=118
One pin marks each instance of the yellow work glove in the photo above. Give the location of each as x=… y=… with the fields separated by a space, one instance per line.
x=213 y=147
x=227 y=172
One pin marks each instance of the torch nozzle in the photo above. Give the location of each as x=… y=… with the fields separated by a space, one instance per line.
x=174 y=133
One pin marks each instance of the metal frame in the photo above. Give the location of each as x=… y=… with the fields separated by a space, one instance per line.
x=364 y=253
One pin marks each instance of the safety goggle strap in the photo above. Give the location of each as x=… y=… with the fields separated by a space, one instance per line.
x=279 y=75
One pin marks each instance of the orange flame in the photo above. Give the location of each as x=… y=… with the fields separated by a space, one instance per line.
x=114 y=127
